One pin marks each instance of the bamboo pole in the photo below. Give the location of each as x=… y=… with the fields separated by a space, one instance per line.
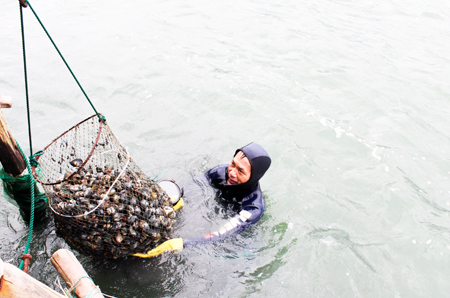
x=10 y=156
x=14 y=283
x=73 y=273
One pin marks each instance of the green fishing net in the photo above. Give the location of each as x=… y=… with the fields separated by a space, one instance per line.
x=17 y=190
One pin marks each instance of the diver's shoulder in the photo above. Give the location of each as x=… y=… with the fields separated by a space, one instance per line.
x=217 y=172
x=253 y=197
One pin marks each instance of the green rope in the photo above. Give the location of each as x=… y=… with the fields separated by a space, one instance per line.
x=91 y=293
x=33 y=160
x=30 y=230
x=101 y=117
x=158 y=174
x=26 y=80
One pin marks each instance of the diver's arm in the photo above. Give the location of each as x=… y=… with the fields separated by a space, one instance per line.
x=244 y=219
x=241 y=221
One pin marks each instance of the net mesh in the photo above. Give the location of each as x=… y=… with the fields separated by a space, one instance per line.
x=103 y=204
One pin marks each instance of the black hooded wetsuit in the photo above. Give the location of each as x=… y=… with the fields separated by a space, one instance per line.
x=247 y=197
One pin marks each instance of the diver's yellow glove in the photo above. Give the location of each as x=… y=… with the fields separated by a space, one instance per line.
x=179 y=204
x=175 y=245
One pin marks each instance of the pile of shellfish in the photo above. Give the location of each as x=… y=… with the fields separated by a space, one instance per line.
x=102 y=211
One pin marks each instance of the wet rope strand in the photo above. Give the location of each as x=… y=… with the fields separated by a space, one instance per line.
x=32 y=182
x=101 y=117
x=26 y=79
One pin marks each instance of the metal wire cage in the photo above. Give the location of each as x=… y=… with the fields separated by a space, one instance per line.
x=102 y=203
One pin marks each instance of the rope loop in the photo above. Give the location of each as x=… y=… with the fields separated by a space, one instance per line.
x=76 y=284
x=92 y=292
x=33 y=161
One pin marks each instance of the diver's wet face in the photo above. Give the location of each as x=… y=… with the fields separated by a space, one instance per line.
x=239 y=170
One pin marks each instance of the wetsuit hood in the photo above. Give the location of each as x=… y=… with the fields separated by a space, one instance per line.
x=260 y=163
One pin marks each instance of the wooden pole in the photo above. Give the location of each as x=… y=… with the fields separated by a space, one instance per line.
x=73 y=273
x=10 y=156
x=17 y=284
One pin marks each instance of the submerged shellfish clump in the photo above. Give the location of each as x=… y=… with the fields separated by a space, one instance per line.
x=100 y=211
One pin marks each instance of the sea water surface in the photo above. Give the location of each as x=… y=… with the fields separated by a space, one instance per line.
x=350 y=98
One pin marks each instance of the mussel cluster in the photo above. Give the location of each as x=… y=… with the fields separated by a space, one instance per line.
x=98 y=214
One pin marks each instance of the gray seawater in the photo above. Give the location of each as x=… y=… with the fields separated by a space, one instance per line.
x=350 y=98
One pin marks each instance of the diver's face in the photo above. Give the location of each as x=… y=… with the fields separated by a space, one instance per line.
x=239 y=170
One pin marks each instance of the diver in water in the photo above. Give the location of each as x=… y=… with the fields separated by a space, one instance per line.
x=237 y=184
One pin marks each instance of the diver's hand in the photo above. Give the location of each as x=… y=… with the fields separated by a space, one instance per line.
x=175 y=245
x=23 y=3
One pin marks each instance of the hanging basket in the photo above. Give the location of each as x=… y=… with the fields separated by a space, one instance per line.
x=103 y=204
